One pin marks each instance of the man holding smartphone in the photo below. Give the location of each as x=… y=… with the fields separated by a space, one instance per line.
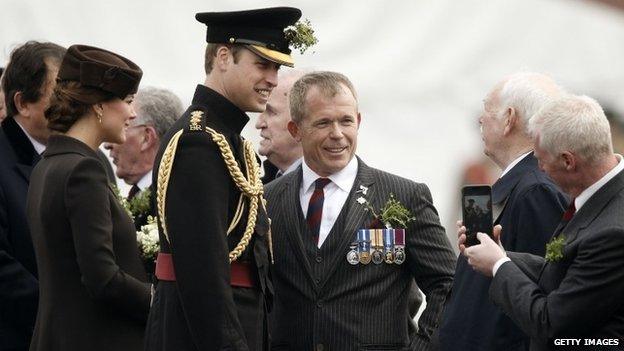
x=525 y=202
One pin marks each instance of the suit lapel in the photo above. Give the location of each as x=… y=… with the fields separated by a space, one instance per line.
x=593 y=207
x=293 y=220
x=590 y=210
x=24 y=171
x=356 y=215
x=506 y=184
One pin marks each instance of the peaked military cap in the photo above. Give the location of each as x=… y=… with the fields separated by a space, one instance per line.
x=262 y=30
x=102 y=69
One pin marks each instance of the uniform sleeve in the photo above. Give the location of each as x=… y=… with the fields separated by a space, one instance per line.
x=431 y=260
x=89 y=213
x=536 y=214
x=19 y=289
x=197 y=215
x=589 y=292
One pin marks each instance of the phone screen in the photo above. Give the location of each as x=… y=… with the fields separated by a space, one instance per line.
x=477 y=211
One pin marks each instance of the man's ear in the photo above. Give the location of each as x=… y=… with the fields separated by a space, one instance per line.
x=150 y=138
x=359 y=120
x=511 y=120
x=569 y=160
x=20 y=104
x=294 y=130
x=222 y=57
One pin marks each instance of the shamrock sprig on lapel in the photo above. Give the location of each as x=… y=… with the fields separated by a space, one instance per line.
x=393 y=214
x=554 y=249
x=140 y=204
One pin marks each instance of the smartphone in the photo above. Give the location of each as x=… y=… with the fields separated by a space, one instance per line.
x=477 y=211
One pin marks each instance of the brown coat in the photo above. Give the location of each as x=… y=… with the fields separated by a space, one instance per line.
x=92 y=291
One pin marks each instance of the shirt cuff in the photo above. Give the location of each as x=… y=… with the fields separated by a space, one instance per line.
x=499 y=263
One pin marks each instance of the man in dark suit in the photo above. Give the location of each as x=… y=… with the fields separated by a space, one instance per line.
x=214 y=290
x=157 y=110
x=576 y=290
x=27 y=84
x=326 y=299
x=527 y=204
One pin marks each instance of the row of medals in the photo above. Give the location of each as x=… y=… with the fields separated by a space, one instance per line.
x=378 y=246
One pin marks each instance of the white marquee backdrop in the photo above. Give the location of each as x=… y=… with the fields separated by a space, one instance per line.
x=421 y=67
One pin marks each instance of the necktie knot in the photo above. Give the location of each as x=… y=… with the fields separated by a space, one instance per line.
x=320 y=183
x=133 y=191
x=569 y=213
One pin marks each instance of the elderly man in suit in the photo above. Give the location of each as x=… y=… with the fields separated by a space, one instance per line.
x=283 y=153
x=528 y=206
x=326 y=299
x=27 y=84
x=157 y=110
x=576 y=290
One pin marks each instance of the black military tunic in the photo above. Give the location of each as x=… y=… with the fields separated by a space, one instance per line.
x=200 y=310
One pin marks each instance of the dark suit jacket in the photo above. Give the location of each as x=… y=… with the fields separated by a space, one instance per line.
x=92 y=290
x=323 y=300
x=270 y=171
x=580 y=295
x=532 y=207
x=18 y=268
x=200 y=310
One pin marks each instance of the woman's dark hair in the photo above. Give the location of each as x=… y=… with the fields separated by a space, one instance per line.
x=70 y=101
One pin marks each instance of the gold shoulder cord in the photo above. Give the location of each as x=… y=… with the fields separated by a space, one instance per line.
x=251 y=188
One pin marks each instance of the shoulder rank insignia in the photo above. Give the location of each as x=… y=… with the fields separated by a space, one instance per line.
x=196 y=120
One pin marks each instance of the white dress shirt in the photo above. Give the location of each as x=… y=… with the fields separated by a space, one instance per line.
x=146 y=181
x=336 y=193
x=514 y=163
x=290 y=168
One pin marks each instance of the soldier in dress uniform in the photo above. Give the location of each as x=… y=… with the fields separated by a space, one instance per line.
x=214 y=292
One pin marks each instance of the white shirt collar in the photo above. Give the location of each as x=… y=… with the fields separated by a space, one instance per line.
x=514 y=163
x=344 y=178
x=145 y=181
x=39 y=147
x=292 y=167
x=592 y=189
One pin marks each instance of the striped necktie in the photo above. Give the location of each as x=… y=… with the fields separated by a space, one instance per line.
x=315 y=207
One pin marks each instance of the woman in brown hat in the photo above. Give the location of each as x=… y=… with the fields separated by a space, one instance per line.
x=93 y=294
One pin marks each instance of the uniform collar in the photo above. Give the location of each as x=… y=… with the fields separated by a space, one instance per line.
x=230 y=115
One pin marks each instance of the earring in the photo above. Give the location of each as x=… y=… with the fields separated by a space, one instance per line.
x=100 y=117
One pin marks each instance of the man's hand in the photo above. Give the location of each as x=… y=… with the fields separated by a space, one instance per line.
x=484 y=256
x=461 y=236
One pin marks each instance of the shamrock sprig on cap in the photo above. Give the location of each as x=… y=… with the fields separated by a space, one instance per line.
x=301 y=35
